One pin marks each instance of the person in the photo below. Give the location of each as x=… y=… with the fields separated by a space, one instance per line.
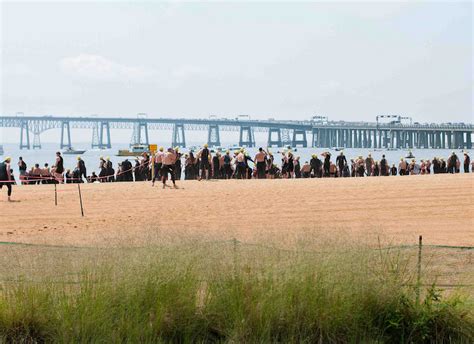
x=46 y=174
x=383 y=166
x=327 y=163
x=22 y=167
x=393 y=170
x=158 y=163
x=103 y=170
x=177 y=165
x=204 y=156
x=369 y=163
x=215 y=165
x=297 y=167
x=306 y=170
x=240 y=164
x=260 y=159
x=402 y=167
x=169 y=159
x=452 y=160
x=315 y=166
x=341 y=161
x=81 y=169
x=59 y=170
x=109 y=170
x=6 y=178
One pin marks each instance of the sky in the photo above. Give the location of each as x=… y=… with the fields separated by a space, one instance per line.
x=282 y=60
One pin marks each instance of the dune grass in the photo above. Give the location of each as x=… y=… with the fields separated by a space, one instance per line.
x=228 y=292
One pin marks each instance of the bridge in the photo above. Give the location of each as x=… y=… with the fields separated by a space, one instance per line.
x=323 y=133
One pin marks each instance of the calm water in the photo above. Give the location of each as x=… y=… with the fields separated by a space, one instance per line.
x=91 y=156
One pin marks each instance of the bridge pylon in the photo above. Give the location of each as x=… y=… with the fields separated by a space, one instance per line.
x=140 y=134
x=246 y=137
x=24 y=133
x=65 y=125
x=274 y=141
x=299 y=138
x=36 y=135
x=179 y=140
x=213 y=137
x=98 y=135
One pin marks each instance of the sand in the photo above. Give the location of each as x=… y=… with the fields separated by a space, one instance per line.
x=396 y=209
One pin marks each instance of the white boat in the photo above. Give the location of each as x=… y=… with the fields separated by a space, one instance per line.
x=71 y=150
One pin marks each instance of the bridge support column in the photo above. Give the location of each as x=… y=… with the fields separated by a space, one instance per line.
x=299 y=138
x=179 y=140
x=213 y=137
x=65 y=125
x=106 y=126
x=468 y=140
x=271 y=142
x=315 y=137
x=24 y=128
x=246 y=138
x=36 y=135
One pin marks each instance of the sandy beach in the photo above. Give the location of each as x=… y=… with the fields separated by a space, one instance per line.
x=398 y=209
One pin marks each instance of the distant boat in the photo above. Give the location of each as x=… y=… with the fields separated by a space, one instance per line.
x=410 y=155
x=338 y=149
x=136 y=150
x=71 y=150
x=392 y=149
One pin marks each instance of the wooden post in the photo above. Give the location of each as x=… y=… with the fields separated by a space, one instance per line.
x=55 y=194
x=418 y=279
x=80 y=198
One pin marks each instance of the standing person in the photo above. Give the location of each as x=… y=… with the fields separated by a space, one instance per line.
x=383 y=166
x=22 y=168
x=452 y=160
x=291 y=164
x=241 y=167
x=58 y=173
x=326 y=164
x=215 y=165
x=315 y=166
x=297 y=167
x=169 y=159
x=402 y=167
x=260 y=159
x=341 y=161
x=369 y=162
x=467 y=162
x=227 y=166
x=6 y=177
x=158 y=165
x=178 y=165
x=81 y=168
x=103 y=169
x=204 y=156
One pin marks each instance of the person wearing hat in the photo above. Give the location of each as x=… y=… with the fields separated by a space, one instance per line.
x=158 y=165
x=402 y=167
x=204 y=156
x=467 y=162
x=6 y=177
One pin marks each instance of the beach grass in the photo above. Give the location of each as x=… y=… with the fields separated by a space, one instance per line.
x=228 y=292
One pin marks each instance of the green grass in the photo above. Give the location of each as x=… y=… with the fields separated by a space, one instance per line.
x=227 y=293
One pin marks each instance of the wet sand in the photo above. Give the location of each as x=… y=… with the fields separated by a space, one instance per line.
x=396 y=209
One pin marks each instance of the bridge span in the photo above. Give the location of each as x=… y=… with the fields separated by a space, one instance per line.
x=295 y=133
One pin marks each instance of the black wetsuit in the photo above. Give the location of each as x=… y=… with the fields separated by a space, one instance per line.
x=383 y=167
x=341 y=161
x=327 y=165
x=82 y=171
x=215 y=167
x=315 y=167
x=204 y=162
x=4 y=179
x=467 y=161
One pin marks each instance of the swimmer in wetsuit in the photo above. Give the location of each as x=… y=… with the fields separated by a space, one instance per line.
x=6 y=177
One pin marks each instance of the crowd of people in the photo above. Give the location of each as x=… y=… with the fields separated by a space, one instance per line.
x=238 y=164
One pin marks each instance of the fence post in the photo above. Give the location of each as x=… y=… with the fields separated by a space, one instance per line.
x=418 y=279
x=55 y=193
x=80 y=198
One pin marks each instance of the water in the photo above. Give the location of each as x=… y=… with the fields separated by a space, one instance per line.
x=92 y=156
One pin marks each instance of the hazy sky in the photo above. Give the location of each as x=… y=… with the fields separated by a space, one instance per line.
x=346 y=60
